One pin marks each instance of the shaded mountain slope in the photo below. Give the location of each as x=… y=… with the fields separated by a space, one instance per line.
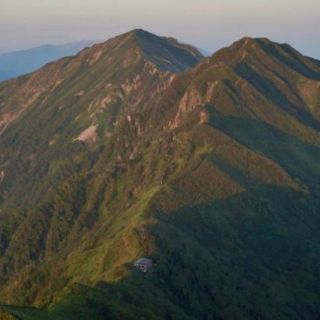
x=92 y=106
x=213 y=173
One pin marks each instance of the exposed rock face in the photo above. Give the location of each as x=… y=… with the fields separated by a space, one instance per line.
x=5 y=121
x=90 y=134
x=99 y=96
x=209 y=167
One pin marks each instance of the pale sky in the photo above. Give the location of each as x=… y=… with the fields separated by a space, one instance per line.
x=209 y=24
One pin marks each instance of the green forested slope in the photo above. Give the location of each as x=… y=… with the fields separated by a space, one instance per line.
x=213 y=173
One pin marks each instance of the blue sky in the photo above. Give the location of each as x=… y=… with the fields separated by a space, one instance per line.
x=209 y=24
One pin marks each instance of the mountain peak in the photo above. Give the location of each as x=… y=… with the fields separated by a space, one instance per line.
x=261 y=51
x=246 y=41
x=263 y=43
x=163 y=51
x=137 y=34
x=244 y=45
x=167 y=54
x=140 y=32
x=108 y=157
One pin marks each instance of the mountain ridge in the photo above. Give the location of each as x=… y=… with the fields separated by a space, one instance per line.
x=112 y=99
x=125 y=156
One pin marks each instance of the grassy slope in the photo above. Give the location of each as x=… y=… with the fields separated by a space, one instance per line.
x=230 y=205
x=66 y=204
x=241 y=256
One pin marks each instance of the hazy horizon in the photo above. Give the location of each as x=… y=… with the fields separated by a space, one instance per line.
x=207 y=24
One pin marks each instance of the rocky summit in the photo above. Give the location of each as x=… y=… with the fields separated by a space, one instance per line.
x=139 y=147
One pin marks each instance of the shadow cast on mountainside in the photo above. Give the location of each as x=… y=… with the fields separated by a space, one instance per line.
x=292 y=59
x=298 y=158
x=252 y=256
x=273 y=94
x=255 y=255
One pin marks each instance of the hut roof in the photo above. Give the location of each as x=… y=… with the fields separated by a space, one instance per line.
x=144 y=262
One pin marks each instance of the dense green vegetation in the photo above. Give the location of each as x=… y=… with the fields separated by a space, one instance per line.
x=213 y=173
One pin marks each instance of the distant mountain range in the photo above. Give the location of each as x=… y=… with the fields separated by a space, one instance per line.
x=140 y=147
x=13 y=64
